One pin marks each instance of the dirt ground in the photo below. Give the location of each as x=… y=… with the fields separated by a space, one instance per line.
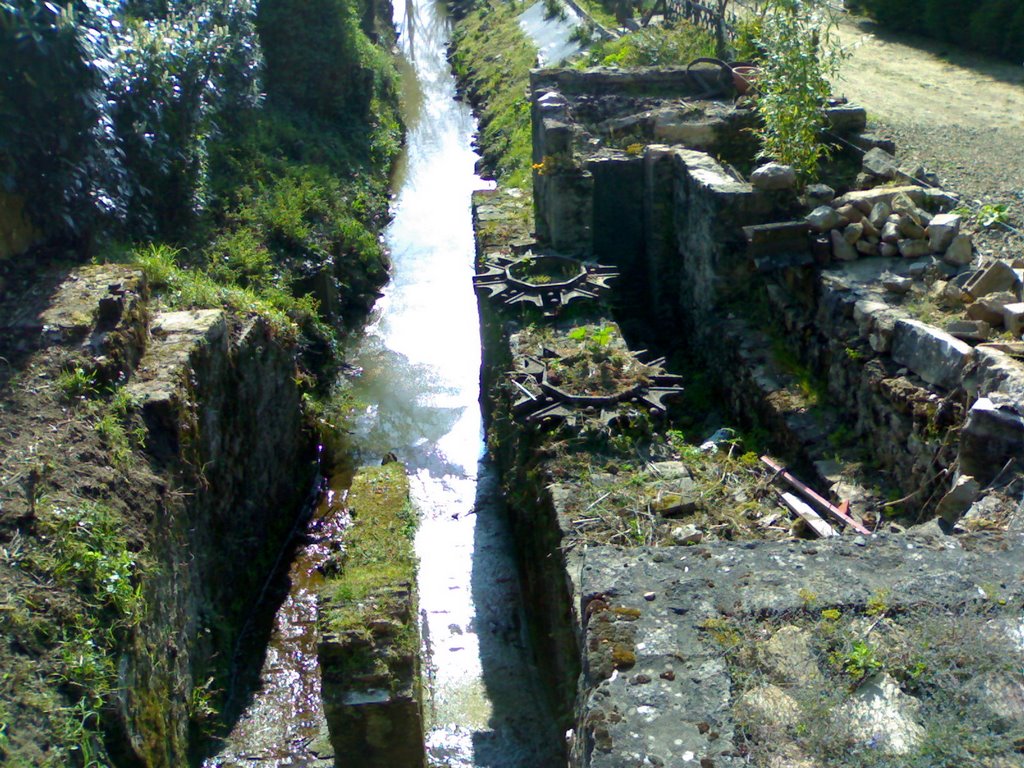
x=957 y=114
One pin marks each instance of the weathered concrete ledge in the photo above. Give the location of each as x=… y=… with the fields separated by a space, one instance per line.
x=672 y=703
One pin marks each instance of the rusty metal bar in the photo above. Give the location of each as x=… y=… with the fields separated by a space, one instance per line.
x=822 y=503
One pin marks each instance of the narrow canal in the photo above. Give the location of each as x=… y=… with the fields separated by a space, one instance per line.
x=417 y=374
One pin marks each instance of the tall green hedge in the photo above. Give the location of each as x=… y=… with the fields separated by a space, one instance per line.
x=995 y=27
x=105 y=113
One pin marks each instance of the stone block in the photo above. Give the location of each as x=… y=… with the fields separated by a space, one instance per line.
x=694 y=134
x=776 y=237
x=773 y=176
x=1013 y=318
x=992 y=435
x=875 y=321
x=994 y=369
x=882 y=195
x=868 y=141
x=880 y=213
x=824 y=217
x=969 y=330
x=990 y=308
x=890 y=232
x=847 y=118
x=934 y=355
x=910 y=228
x=557 y=137
x=941 y=231
x=913 y=249
x=880 y=163
x=841 y=248
x=897 y=284
x=818 y=194
x=958 y=500
x=867 y=247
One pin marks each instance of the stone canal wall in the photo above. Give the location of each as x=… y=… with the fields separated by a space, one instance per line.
x=180 y=441
x=703 y=629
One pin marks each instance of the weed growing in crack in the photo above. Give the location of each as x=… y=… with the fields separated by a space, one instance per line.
x=77 y=384
x=87 y=552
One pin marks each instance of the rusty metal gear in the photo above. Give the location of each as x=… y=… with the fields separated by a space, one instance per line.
x=505 y=279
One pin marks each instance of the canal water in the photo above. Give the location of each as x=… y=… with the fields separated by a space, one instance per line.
x=416 y=370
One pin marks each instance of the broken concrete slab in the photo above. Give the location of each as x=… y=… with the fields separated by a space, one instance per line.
x=996 y=277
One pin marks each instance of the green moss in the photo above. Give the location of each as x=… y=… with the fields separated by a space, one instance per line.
x=380 y=562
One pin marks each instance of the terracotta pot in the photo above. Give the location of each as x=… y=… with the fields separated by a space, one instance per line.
x=744 y=78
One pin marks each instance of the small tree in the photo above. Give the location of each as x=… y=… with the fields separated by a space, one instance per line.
x=798 y=55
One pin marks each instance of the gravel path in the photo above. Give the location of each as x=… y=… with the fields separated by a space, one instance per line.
x=957 y=114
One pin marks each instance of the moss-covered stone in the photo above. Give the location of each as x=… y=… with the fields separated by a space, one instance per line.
x=369 y=652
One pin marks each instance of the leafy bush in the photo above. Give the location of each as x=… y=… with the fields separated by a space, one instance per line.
x=799 y=56
x=995 y=27
x=58 y=147
x=104 y=115
x=320 y=57
x=653 y=47
x=175 y=79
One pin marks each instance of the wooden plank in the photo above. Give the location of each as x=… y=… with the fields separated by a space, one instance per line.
x=813 y=519
x=822 y=503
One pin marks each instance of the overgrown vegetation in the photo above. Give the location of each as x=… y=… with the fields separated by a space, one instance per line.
x=136 y=132
x=87 y=554
x=492 y=58
x=995 y=27
x=658 y=46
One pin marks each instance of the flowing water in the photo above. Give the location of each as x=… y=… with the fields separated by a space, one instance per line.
x=418 y=369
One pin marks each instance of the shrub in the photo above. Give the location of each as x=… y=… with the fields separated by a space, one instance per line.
x=320 y=58
x=653 y=46
x=793 y=82
x=105 y=115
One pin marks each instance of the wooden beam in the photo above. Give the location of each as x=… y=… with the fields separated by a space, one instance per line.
x=822 y=503
x=812 y=518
